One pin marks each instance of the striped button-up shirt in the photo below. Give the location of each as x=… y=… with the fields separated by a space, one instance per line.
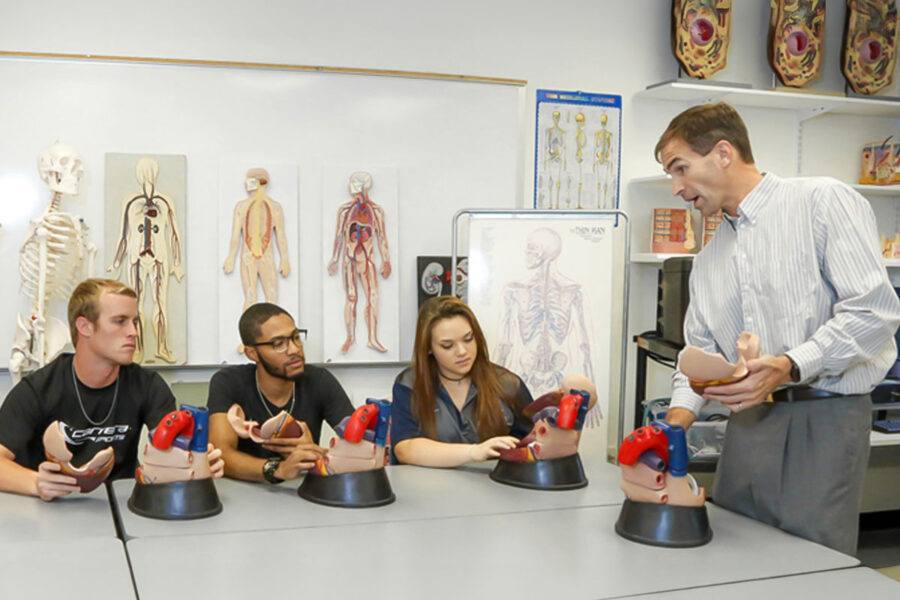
x=801 y=267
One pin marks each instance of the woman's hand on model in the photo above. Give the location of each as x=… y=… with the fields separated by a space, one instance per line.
x=491 y=448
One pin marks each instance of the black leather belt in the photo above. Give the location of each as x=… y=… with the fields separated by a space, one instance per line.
x=799 y=393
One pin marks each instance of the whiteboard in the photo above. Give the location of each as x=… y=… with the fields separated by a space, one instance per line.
x=453 y=144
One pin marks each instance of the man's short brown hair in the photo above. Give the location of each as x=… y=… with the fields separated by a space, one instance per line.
x=85 y=300
x=702 y=127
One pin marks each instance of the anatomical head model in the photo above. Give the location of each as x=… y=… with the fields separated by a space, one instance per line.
x=360 y=441
x=700 y=35
x=177 y=450
x=89 y=475
x=54 y=257
x=558 y=419
x=654 y=462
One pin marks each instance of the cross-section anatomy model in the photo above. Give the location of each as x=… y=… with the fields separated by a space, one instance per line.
x=150 y=242
x=55 y=256
x=359 y=223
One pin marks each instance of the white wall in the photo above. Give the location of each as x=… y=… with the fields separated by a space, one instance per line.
x=592 y=45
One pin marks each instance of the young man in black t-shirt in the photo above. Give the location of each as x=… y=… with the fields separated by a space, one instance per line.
x=279 y=380
x=101 y=397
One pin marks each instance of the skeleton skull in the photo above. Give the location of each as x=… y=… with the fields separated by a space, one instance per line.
x=61 y=168
x=360 y=182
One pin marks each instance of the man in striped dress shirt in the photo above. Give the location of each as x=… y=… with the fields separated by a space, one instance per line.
x=797 y=262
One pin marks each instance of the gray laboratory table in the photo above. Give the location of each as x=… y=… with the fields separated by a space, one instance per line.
x=67 y=569
x=421 y=494
x=77 y=516
x=564 y=553
x=841 y=584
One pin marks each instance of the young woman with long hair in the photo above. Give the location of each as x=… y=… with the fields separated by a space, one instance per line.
x=452 y=405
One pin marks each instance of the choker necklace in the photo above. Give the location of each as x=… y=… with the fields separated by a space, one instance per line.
x=262 y=398
x=451 y=378
x=81 y=404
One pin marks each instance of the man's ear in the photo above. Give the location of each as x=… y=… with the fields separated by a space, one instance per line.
x=250 y=352
x=84 y=326
x=724 y=153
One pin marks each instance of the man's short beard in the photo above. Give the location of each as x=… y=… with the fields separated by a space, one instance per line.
x=271 y=370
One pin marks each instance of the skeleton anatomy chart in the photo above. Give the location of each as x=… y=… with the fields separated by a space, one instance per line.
x=259 y=238
x=359 y=255
x=55 y=256
x=146 y=243
x=577 y=140
x=544 y=306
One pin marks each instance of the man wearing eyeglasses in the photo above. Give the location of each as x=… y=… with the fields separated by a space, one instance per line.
x=279 y=380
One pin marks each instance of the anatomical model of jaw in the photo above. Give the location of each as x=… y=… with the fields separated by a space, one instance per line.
x=54 y=258
x=257 y=219
x=177 y=450
x=359 y=223
x=555 y=159
x=360 y=441
x=654 y=463
x=89 y=475
x=282 y=425
x=705 y=369
x=558 y=419
x=148 y=237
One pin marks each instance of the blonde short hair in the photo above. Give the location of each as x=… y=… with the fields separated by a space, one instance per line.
x=85 y=300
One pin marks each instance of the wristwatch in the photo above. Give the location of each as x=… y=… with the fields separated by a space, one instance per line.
x=269 y=468
x=795 y=370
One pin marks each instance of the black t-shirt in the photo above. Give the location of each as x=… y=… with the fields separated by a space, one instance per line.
x=319 y=397
x=48 y=395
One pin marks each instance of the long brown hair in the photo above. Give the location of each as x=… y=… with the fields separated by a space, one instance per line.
x=488 y=414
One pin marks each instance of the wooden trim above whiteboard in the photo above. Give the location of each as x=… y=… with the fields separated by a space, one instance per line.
x=261 y=65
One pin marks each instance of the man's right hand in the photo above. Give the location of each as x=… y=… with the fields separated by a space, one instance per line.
x=302 y=458
x=51 y=483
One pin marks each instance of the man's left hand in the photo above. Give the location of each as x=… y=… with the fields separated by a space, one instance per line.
x=766 y=374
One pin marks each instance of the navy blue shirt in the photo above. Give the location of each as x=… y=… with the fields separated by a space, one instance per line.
x=454 y=426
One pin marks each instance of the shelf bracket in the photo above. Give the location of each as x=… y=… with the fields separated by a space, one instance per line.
x=817 y=111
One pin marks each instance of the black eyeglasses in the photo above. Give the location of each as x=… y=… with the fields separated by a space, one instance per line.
x=280 y=343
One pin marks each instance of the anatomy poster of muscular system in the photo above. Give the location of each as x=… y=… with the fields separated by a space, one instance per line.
x=360 y=291
x=145 y=248
x=257 y=244
x=541 y=289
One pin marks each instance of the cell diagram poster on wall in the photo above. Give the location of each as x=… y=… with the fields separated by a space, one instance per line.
x=578 y=136
x=145 y=247
x=360 y=291
x=541 y=289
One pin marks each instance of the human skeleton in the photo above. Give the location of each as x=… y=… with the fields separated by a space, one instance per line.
x=51 y=263
x=541 y=316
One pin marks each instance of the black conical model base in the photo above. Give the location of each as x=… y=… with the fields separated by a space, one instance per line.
x=361 y=489
x=564 y=473
x=178 y=500
x=664 y=524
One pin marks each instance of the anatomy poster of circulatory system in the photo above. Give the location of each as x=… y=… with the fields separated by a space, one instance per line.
x=145 y=248
x=541 y=289
x=577 y=140
x=360 y=291
x=257 y=244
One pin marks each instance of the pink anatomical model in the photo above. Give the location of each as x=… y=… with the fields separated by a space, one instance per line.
x=177 y=450
x=705 y=369
x=89 y=475
x=360 y=442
